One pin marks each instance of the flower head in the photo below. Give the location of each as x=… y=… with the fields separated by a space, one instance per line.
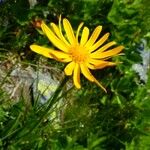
x=88 y=52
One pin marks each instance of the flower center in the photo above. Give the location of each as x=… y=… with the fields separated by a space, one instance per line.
x=79 y=54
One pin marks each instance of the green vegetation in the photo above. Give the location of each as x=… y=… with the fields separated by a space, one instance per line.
x=71 y=119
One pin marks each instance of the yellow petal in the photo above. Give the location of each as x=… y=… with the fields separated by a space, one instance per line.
x=76 y=76
x=100 y=85
x=69 y=68
x=53 y=38
x=94 y=36
x=84 y=36
x=65 y=60
x=55 y=29
x=85 y=71
x=104 y=64
x=96 y=61
x=108 y=53
x=69 y=31
x=59 y=33
x=89 y=76
x=100 y=64
x=99 y=42
x=60 y=56
x=41 y=50
x=90 y=66
x=105 y=47
x=78 y=30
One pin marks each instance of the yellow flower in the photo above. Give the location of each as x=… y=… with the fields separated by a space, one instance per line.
x=81 y=54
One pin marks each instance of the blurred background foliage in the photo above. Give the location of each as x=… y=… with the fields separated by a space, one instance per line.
x=92 y=119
